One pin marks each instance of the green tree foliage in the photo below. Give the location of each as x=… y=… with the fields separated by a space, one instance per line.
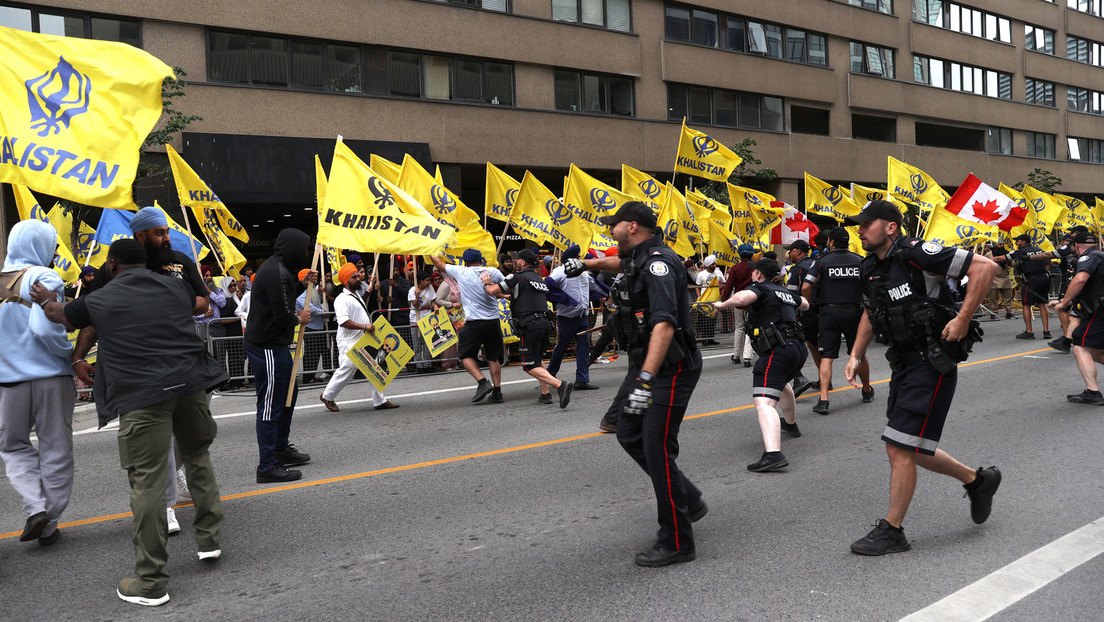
x=747 y=173
x=1040 y=179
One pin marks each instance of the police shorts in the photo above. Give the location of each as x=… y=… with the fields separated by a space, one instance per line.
x=1090 y=332
x=480 y=333
x=533 y=343
x=837 y=322
x=810 y=324
x=1036 y=291
x=776 y=367
x=919 y=398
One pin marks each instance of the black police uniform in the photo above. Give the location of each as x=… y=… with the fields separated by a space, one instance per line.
x=808 y=318
x=836 y=286
x=909 y=303
x=776 y=337
x=655 y=284
x=529 y=310
x=1087 y=306
x=1068 y=260
x=1036 y=275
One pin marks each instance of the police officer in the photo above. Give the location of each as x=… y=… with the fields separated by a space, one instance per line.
x=529 y=309
x=1036 y=276
x=834 y=282
x=1084 y=297
x=910 y=307
x=664 y=367
x=777 y=338
x=1068 y=257
x=798 y=255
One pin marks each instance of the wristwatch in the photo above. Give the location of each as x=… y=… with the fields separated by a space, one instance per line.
x=644 y=376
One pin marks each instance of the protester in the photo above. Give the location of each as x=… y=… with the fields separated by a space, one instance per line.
x=315 y=338
x=572 y=321
x=420 y=300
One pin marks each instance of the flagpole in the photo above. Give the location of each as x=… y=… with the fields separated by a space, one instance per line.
x=222 y=268
x=188 y=227
x=322 y=278
x=299 y=338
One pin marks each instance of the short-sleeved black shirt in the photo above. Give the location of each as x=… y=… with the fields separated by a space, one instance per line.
x=835 y=278
x=923 y=273
x=1030 y=268
x=529 y=291
x=1093 y=263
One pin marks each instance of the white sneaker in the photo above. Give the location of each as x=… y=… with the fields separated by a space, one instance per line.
x=182 y=485
x=209 y=555
x=174 y=525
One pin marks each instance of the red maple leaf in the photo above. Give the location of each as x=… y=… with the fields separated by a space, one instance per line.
x=986 y=212
x=797 y=223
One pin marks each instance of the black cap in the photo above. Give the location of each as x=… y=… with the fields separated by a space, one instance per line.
x=800 y=245
x=1084 y=237
x=529 y=256
x=840 y=237
x=1023 y=237
x=768 y=267
x=878 y=208
x=633 y=211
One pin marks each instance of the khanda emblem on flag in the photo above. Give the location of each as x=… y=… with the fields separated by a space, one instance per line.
x=84 y=243
x=918 y=183
x=650 y=188
x=966 y=232
x=511 y=196
x=601 y=199
x=1072 y=203
x=382 y=194
x=873 y=196
x=441 y=200
x=750 y=228
x=670 y=231
x=558 y=212
x=833 y=195
x=1038 y=205
x=57 y=96
x=752 y=199
x=704 y=145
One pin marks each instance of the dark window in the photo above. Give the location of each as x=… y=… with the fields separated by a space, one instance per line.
x=1084 y=149
x=872 y=60
x=1000 y=140
x=1040 y=145
x=773 y=114
x=701 y=109
x=725 y=103
x=933 y=135
x=677 y=23
x=343 y=62
x=866 y=127
x=499 y=84
x=228 y=57
x=809 y=120
x=501 y=6
x=703 y=28
x=1039 y=92
x=405 y=71
x=306 y=65
x=676 y=102
x=706 y=106
x=68 y=24
x=268 y=59
x=881 y=6
x=737 y=34
x=593 y=93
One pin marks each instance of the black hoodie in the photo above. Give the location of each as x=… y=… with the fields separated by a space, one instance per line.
x=272 y=317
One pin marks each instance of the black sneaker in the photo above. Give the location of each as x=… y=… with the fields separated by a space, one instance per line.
x=790 y=428
x=565 y=390
x=771 y=461
x=1061 y=344
x=496 y=397
x=821 y=407
x=1087 y=397
x=868 y=397
x=545 y=398
x=747 y=362
x=1025 y=335
x=1008 y=315
x=801 y=384
x=884 y=538
x=289 y=456
x=481 y=391
x=278 y=474
x=1046 y=334
x=981 y=497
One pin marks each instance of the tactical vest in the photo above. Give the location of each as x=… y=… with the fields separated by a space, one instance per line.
x=530 y=296
x=633 y=307
x=1091 y=298
x=773 y=317
x=839 y=283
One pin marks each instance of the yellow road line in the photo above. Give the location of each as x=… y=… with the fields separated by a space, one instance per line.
x=483 y=454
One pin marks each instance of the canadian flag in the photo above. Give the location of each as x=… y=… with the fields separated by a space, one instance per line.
x=977 y=202
x=795 y=226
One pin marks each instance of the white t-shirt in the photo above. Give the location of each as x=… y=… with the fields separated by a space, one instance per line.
x=704 y=277
x=422 y=308
x=478 y=304
x=347 y=307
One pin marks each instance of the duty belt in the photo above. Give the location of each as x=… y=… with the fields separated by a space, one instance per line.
x=900 y=359
x=832 y=305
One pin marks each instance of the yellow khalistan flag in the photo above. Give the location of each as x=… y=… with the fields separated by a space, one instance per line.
x=1079 y=213
x=1048 y=210
x=501 y=193
x=705 y=210
x=74 y=113
x=418 y=183
x=206 y=206
x=63 y=222
x=385 y=168
x=722 y=244
x=862 y=195
x=334 y=258
x=64 y=263
x=368 y=213
x=854 y=244
x=827 y=200
x=670 y=223
x=912 y=185
x=948 y=229
x=700 y=155
x=539 y=215
x=592 y=199
x=752 y=214
x=642 y=186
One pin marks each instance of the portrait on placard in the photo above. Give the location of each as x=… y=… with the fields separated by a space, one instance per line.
x=381 y=354
x=437 y=331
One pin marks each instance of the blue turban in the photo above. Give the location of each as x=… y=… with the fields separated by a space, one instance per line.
x=148 y=218
x=572 y=252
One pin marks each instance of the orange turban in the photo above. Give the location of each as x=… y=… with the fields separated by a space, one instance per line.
x=303 y=273
x=345 y=272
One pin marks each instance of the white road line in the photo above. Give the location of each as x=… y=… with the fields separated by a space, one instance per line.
x=1003 y=588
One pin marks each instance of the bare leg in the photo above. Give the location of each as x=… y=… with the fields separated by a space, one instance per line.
x=902 y=482
x=1087 y=359
x=768 y=423
x=1044 y=315
x=546 y=379
x=944 y=464
x=825 y=376
x=472 y=366
x=496 y=372
x=788 y=405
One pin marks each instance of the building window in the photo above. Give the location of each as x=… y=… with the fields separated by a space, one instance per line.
x=958 y=77
x=611 y=14
x=704 y=106
x=1000 y=140
x=67 y=24
x=1039 y=92
x=732 y=32
x=1084 y=149
x=593 y=93
x=1040 y=145
x=502 y=6
x=1092 y=7
x=1039 y=39
x=447 y=78
x=872 y=60
x=959 y=18
x=1084 y=51
x=881 y=6
x=1085 y=100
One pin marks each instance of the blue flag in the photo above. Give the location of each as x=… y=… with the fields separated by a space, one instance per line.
x=115 y=224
